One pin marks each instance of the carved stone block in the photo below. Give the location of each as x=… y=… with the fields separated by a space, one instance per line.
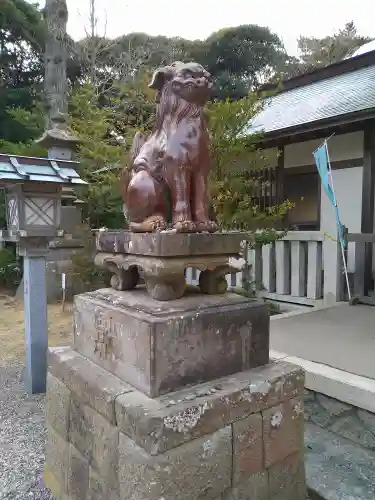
x=198 y=469
x=169 y=243
x=58 y=405
x=283 y=430
x=203 y=442
x=162 y=259
x=247 y=448
x=159 y=347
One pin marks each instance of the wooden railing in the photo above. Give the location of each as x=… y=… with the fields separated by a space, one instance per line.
x=363 y=287
x=292 y=268
x=288 y=270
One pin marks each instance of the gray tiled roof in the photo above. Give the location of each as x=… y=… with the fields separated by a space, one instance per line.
x=329 y=98
x=22 y=168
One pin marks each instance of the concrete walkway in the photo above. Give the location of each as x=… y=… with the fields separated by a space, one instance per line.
x=342 y=337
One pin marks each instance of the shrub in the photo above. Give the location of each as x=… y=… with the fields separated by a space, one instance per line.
x=10 y=268
x=85 y=275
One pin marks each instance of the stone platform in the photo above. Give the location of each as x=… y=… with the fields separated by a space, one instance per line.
x=163 y=257
x=236 y=438
x=159 y=347
x=173 y=400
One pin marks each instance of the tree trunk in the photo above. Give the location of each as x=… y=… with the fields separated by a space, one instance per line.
x=56 y=85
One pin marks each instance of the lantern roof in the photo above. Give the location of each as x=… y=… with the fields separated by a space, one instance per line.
x=29 y=169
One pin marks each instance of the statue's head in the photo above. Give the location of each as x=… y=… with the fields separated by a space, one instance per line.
x=189 y=81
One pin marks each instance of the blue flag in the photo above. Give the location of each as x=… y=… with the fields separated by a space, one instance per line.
x=321 y=160
x=323 y=166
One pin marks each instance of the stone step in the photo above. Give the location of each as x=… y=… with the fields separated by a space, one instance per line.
x=336 y=468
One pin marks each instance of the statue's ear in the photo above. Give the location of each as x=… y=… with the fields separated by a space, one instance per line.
x=160 y=76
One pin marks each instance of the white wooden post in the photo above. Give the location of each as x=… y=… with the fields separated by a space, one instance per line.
x=268 y=270
x=282 y=267
x=332 y=269
x=258 y=267
x=298 y=270
x=314 y=270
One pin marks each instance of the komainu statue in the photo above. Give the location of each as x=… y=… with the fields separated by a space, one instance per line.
x=173 y=163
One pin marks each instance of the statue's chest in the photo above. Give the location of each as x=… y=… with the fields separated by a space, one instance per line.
x=182 y=144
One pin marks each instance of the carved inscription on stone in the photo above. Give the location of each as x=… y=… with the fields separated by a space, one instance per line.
x=105 y=334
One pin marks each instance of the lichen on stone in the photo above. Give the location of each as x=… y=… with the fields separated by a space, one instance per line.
x=187 y=419
x=297 y=410
x=276 y=420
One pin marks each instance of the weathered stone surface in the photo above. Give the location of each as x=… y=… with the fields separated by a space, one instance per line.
x=169 y=244
x=254 y=487
x=96 y=439
x=105 y=450
x=52 y=484
x=77 y=475
x=283 y=431
x=314 y=411
x=58 y=406
x=199 y=469
x=99 y=489
x=247 y=447
x=166 y=422
x=367 y=418
x=57 y=463
x=92 y=384
x=333 y=407
x=350 y=427
x=159 y=347
x=81 y=428
x=287 y=479
x=342 y=419
x=337 y=468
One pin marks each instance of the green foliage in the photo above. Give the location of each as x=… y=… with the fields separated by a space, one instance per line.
x=92 y=124
x=237 y=168
x=10 y=268
x=85 y=275
x=240 y=58
x=107 y=130
x=316 y=52
x=319 y=52
x=21 y=69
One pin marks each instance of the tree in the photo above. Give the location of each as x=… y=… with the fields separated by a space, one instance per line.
x=239 y=58
x=237 y=167
x=318 y=52
x=107 y=133
x=21 y=67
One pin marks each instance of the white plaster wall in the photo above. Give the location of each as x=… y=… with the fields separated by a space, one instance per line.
x=348 y=189
x=340 y=147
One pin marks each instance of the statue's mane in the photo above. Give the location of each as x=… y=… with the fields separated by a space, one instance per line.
x=172 y=108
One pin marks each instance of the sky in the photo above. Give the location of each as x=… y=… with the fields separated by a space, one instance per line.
x=196 y=19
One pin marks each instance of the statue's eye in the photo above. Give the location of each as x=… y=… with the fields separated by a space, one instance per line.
x=189 y=74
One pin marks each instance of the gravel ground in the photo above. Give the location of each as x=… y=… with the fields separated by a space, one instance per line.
x=22 y=438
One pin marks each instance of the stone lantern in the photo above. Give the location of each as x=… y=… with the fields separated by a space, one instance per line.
x=33 y=189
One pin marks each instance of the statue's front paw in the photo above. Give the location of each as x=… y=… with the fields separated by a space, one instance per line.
x=184 y=226
x=152 y=224
x=206 y=226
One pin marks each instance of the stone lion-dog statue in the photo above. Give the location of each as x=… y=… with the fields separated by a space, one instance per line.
x=174 y=161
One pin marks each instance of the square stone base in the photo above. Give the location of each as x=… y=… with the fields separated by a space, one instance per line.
x=236 y=438
x=159 y=347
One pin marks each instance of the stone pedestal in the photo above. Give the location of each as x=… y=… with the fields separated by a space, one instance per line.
x=235 y=438
x=160 y=347
x=172 y=400
x=162 y=259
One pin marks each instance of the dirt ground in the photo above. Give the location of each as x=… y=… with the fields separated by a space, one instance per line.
x=12 y=334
